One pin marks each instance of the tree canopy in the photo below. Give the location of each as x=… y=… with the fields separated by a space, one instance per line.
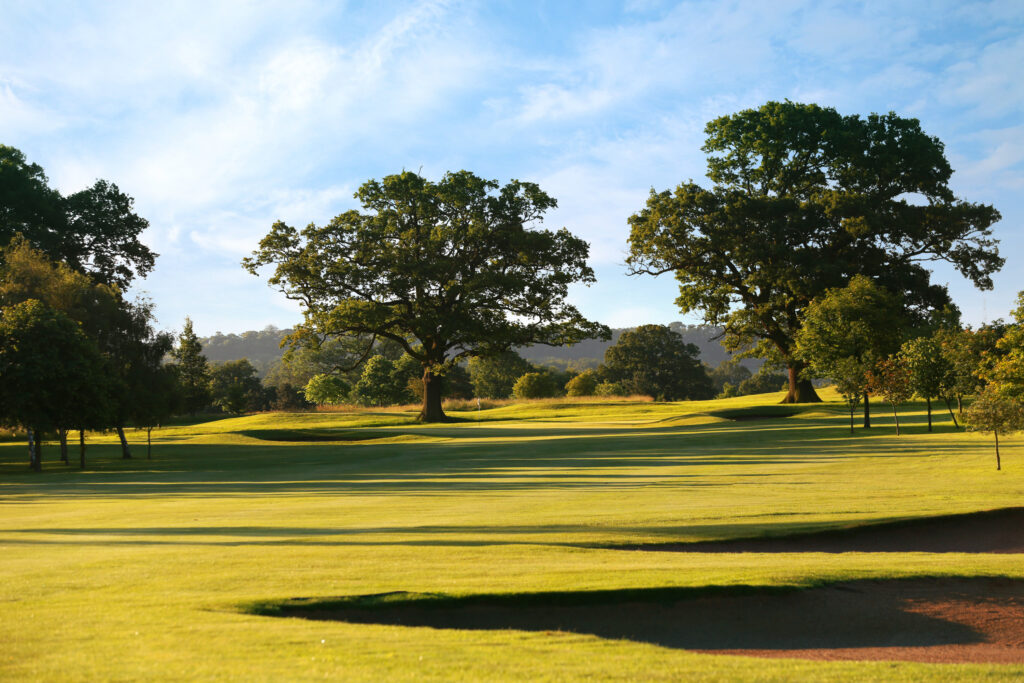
x=446 y=269
x=95 y=230
x=654 y=360
x=804 y=198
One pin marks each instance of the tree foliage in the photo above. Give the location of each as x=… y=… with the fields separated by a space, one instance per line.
x=890 y=379
x=326 y=390
x=494 y=376
x=192 y=369
x=52 y=373
x=802 y=200
x=235 y=388
x=95 y=230
x=535 y=385
x=447 y=270
x=654 y=360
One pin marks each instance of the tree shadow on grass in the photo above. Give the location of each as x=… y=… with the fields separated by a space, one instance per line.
x=862 y=614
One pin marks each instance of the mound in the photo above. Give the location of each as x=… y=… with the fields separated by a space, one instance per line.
x=994 y=531
x=926 y=620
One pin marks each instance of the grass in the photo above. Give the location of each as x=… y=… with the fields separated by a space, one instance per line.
x=152 y=569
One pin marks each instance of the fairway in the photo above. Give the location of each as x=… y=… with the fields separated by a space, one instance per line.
x=184 y=566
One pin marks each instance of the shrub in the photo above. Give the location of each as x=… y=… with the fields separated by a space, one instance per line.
x=534 y=385
x=583 y=384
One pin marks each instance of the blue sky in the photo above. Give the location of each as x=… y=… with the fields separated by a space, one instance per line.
x=220 y=118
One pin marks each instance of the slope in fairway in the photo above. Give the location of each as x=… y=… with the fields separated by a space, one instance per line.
x=149 y=569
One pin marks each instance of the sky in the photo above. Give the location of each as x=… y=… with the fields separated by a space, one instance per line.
x=220 y=118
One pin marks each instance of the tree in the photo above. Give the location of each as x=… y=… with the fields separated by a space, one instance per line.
x=802 y=200
x=930 y=372
x=447 y=270
x=51 y=373
x=654 y=360
x=95 y=230
x=234 y=387
x=966 y=352
x=729 y=371
x=494 y=376
x=891 y=380
x=376 y=385
x=583 y=384
x=193 y=370
x=846 y=331
x=997 y=413
x=534 y=385
x=326 y=390
x=764 y=382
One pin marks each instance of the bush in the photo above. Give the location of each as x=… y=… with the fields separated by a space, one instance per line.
x=583 y=384
x=609 y=389
x=534 y=385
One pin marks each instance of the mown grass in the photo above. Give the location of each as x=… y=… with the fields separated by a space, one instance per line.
x=146 y=569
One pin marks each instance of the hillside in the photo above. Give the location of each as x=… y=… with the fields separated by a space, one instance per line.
x=263 y=347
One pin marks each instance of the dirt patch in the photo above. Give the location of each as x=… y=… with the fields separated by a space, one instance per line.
x=994 y=531
x=924 y=620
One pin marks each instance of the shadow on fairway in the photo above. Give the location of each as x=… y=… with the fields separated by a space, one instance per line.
x=862 y=614
x=992 y=531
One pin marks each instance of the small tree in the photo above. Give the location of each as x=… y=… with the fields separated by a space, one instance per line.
x=996 y=413
x=930 y=372
x=494 y=376
x=847 y=330
x=375 y=387
x=234 y=387
x=891 y=380
x=583 y=384
x=850 y=380
x=193 y=370
x=534 y=385
x=326 y=390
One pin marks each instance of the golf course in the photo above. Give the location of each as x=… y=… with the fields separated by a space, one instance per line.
x=544 y=540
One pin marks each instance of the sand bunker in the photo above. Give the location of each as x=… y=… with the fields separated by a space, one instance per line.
x=996 y=531
x=925 y=620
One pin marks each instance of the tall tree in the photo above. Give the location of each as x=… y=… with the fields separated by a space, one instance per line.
x=803 y=199
x=193 y=370
x=654 y=360
x=95 y=230
x=447 y=270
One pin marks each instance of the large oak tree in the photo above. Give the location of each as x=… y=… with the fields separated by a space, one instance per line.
x=446 y=269
x=804 y=198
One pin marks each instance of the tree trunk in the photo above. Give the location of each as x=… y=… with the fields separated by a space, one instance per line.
x=800 y=390
x=896 y=417
x=867 y=410
x=999 y=465
x=149 y=443
x=35 y=451
x=62 y=436
x=929 y=402
x=853 y=409
x=949 y=407
x=126 y=453
x=81 y=448
x=960 y=404
x=432 y=410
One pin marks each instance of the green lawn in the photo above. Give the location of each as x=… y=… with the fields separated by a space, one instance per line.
x=146 y=569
